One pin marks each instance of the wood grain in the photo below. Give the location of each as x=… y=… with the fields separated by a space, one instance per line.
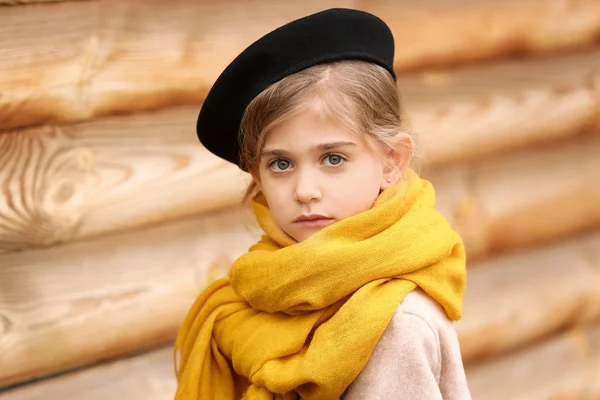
x=74 y=181
x=478 y=110
x=78 y=181
x=563 y=367
x=148 y=376
x=94 y=300
x=517 y=299
x=523 y=198
x=80 y=60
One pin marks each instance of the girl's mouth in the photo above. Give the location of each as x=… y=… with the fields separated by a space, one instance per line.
x=313 y=222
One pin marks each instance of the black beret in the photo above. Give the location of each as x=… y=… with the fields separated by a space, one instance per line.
x=330 y=35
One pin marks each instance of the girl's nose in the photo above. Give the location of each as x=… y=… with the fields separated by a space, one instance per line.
x=307 y=187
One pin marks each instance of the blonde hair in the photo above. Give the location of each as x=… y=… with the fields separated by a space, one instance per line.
x=360 y=95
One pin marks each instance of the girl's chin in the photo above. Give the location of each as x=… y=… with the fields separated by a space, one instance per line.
x=305 y=232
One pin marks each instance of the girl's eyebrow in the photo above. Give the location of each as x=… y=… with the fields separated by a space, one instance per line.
x=273 y=153
x=332 y=145
x=319 y=146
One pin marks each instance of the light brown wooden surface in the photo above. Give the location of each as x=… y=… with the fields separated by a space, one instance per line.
x=516 y=200
x=483 y=109
x=24 y=2
x=465 y=31
x=516 y=299
x=148 y=376
x=62 y=183
x=108 y=176
x=566 y=366
x=93 y=300
x=79 y=60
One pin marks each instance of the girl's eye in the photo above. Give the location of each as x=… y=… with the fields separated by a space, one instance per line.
x=280 y=165
x=334 y=159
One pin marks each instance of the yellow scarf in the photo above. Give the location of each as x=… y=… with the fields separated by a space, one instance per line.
x=304 y=317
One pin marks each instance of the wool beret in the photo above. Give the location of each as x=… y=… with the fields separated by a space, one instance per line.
x=327 y=36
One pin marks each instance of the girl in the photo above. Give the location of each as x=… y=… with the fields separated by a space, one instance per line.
x=352 y=289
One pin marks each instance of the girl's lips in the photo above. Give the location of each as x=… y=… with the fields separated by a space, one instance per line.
x=318 y=222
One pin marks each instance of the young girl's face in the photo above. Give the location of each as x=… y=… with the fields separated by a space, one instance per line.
x=313 y=173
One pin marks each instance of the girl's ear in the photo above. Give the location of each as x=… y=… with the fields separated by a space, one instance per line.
x=396 y=161
x=256 y=179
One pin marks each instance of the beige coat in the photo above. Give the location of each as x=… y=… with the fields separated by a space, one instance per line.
x=417 y=358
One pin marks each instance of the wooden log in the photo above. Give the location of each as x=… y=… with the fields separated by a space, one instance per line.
x=69 y=182
x=566 y=366
x=81 y=60
x=478 y=110
x=108 y=176
x=519 y=298
x=148 y=376
x=517 y=200
x=94 y=300
x=467 y=31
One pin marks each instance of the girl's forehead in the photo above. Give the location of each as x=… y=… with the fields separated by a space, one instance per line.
x=308 y=129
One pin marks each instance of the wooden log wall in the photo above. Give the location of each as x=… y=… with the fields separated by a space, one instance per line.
x=113 y=217
x=102 y=57
x=105 y=176
x=562 y=367
x=91 y=300
x=63 y=305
